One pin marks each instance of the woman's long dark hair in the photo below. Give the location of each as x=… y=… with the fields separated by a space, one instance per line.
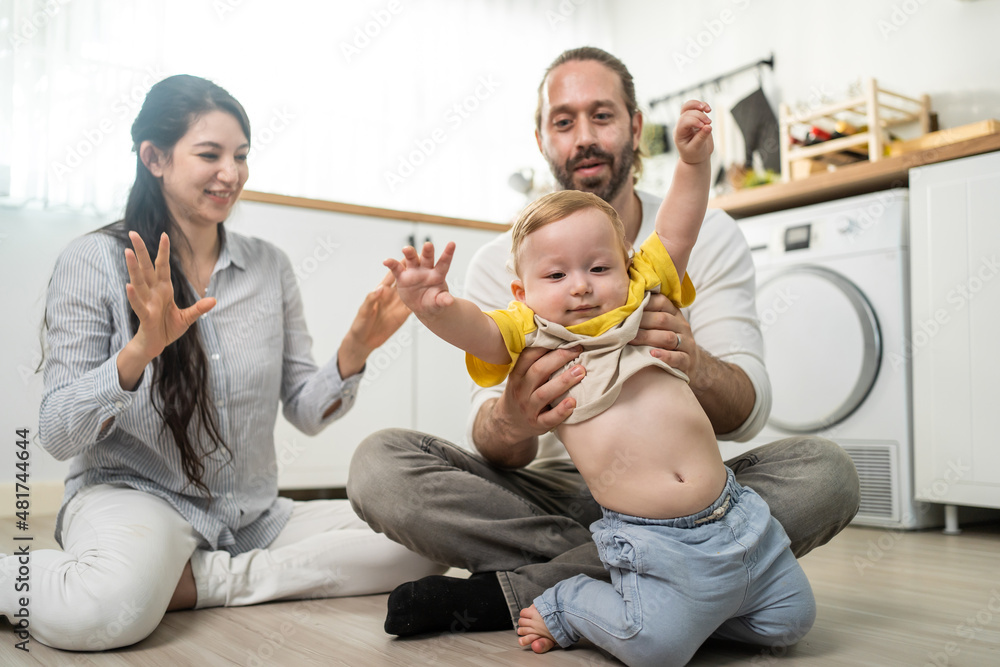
x=179 y=389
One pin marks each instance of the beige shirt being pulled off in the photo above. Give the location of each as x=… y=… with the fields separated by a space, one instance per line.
x=607 y=356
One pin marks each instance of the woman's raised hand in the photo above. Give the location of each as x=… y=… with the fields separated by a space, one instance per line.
x=151 y=295
x=380 y=315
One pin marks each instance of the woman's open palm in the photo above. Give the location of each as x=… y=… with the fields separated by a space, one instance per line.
x=380 y=315
x=151 y=295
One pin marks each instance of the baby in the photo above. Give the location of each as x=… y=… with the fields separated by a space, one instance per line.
x=690 y=552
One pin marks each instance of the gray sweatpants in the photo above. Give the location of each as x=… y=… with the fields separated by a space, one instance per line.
x=532 y=525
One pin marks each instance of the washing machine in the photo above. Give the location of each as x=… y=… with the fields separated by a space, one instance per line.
x=832 y=300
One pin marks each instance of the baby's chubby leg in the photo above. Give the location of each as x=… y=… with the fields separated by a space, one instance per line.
x=533 y=631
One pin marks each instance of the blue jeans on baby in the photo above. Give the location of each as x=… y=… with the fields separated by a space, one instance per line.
x=725 y=572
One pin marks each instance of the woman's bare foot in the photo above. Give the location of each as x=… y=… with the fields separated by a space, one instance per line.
x=533 y=631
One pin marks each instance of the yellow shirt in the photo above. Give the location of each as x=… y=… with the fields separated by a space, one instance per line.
x=652 y=269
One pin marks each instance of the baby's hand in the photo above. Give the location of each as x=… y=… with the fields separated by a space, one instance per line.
x=420 y=282
x=693 y=135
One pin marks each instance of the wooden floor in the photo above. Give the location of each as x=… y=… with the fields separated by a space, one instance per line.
x=884 y=598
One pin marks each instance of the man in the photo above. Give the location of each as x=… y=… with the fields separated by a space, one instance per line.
x=517 y=515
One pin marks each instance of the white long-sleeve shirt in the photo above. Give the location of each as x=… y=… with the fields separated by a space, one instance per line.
x=723 y=317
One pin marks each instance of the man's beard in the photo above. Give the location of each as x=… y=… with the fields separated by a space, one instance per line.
x=620 y=165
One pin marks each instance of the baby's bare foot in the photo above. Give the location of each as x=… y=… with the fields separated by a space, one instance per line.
x=533 y=632
x=542 y=645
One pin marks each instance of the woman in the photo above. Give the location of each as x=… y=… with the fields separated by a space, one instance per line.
x=164 y=392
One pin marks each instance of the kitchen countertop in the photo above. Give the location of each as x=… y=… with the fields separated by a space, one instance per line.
x=854 y=179
x=368 y=211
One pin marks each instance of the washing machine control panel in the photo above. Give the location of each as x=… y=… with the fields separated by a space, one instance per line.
x=867 y=223
x=806 y=235
x=848 y=226
x=797 y=237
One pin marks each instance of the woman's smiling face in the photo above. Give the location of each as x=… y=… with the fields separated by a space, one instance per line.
x=205 y=172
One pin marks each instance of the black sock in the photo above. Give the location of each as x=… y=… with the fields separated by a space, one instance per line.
x=448 y=604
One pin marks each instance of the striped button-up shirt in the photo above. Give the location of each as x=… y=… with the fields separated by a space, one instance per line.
x=258 y=351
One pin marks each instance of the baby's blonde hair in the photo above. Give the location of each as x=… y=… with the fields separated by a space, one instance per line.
x=558 y=206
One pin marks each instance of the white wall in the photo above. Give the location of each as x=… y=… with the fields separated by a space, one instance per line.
x=413 y=105
x=30 y=241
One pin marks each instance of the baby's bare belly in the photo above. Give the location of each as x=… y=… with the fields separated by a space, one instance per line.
x=651 y=454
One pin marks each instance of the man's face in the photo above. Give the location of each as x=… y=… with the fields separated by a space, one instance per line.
x=586 y=134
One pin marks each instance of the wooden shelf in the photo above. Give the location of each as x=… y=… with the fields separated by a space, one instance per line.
x=869 y=109
x=846 y=181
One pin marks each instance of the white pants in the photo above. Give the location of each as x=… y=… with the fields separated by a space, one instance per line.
x=125 y=551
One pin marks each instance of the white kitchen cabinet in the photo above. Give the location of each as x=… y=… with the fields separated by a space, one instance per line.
x=955 y=317
x=337 y=259
x=413 y=381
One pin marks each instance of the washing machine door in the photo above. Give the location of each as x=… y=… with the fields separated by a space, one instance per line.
x=822 y=346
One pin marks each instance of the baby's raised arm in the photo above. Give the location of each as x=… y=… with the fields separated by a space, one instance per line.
x=683 y=209
x=422 y=287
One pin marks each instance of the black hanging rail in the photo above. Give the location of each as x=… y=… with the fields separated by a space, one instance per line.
x=769 y=62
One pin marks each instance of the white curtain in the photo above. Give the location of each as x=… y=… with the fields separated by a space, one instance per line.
x=422 y=105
